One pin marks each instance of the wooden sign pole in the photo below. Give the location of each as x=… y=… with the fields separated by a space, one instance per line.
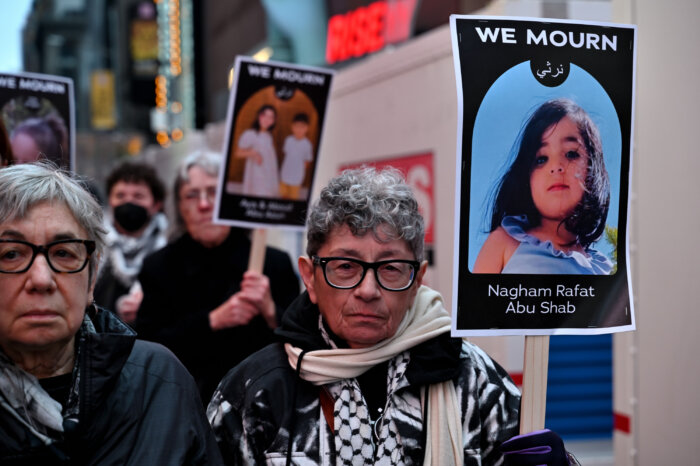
x=258 y=242
x=534 y=399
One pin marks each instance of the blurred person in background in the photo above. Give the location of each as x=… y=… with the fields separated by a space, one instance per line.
x=76 y=387
x=199 y=298
x=136 y=227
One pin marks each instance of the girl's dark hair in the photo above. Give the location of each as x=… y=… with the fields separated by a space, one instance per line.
x=256 y=123
x=512 y=194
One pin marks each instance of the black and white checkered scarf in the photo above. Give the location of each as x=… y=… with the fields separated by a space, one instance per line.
x=337 y=368
x=359 y=440
x=125 y=254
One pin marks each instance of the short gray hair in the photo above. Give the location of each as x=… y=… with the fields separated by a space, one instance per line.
x=27 y=185
x=208 y=161
x=367 y=200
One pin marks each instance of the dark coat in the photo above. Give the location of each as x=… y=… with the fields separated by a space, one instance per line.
x=183 y=282
x=138 y=405
x=108 y=289
x=260 y=401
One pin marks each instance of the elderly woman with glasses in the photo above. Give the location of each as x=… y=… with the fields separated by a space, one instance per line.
x=199 y=299
x=366 y=372
x=76 y=387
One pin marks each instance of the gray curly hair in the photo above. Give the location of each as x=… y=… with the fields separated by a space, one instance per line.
x=27 y=185
x=367 y=200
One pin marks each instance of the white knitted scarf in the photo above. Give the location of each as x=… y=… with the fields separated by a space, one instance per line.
x=425 y=319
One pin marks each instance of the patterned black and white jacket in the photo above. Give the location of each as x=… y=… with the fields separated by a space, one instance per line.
x=261 y=400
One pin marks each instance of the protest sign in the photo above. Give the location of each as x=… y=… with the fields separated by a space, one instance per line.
x=544 y=149
x=38 y=114
x=275 y=121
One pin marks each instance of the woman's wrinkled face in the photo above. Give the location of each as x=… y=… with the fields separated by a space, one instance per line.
x=197 y=198
x=558 y=176
x=41 y=309
x=367 y=314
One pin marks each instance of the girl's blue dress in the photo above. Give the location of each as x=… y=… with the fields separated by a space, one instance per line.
x=540 y=257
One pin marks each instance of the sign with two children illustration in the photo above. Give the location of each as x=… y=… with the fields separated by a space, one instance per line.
x=275 y=120
x=544 y=145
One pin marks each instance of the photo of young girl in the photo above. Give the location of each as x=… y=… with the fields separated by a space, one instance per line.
x=552 y=203
x=261 y=175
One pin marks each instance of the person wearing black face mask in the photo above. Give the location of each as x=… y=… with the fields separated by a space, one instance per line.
x=131 y=217
x=137 y=228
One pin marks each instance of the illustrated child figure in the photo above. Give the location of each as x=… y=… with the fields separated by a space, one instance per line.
x=298 y=153
x=261 y=174
x=552 y=202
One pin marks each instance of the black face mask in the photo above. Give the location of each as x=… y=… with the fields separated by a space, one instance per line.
x=131 y=217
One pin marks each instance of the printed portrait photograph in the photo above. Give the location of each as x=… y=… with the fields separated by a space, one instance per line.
x=545 y=176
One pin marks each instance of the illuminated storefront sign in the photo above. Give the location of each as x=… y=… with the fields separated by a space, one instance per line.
x=102 y=108
x=174 y=91
x=143 y=42
x=368 y=28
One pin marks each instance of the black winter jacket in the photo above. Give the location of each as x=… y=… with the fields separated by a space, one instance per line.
x=137 y=406
x=262 y=400
x=184 y=281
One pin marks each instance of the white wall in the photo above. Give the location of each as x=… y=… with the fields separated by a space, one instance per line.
x=665 y=226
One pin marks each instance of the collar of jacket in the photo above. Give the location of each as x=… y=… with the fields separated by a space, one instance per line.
x=432 y=361
x=102 y=355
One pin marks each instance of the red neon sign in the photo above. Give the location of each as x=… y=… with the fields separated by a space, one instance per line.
x=368 y=29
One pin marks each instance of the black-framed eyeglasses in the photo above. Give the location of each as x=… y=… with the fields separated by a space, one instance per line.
x=345 y=273
x=63 y=256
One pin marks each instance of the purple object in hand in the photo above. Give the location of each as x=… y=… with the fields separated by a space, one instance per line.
x=538 y=448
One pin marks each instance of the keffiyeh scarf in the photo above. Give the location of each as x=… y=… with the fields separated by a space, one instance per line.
x=126 y=253
x=337 y=368
x=359 y=440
